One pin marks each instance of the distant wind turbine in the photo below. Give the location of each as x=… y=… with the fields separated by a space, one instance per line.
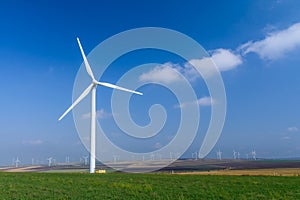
x=92 y=88
x=17 y=162
x=152 y=156
x=49 y=161
x=253 y=153
x=67 y=159
x=234 y=154
x=171 y=155
x=116 y=158
x=85 y=160
x=219 y=155
x=195 y=155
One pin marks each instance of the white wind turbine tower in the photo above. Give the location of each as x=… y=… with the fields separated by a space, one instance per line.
x=49 y=161
x=92 y=88
x=152 y=156
x=234 y=154
x=85 y=160
x=219 y=155
x=253 y=153
x=195 y=155
x=67 y=160
x=116 y=158
x=17 y=162
x=171 y=155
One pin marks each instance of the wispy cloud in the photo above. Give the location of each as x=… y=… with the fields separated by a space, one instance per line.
x=276 y=44
x=100 y=114
x=286 y=138
x=293 y=129
x=204 y=101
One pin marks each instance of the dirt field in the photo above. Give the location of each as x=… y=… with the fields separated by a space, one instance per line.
x=204 y=167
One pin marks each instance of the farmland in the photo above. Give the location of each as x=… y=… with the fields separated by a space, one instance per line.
x=145 y=186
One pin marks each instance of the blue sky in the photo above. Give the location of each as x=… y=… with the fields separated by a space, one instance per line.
x=255 y=43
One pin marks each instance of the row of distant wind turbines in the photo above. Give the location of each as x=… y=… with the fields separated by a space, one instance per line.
x=84 y=159
x=116 y=158
x=236 y=155
x=51 y=161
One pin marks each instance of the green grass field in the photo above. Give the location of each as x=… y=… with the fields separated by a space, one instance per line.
x=145 y=186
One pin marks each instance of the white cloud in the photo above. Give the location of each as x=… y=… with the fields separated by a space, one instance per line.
x=165 y=73
x=169 y=72
x=100 y=114
x=292 y=129
x=204 y=101
x=204 y=65
x=225 y=59
x=276 y=44
x=32 y=142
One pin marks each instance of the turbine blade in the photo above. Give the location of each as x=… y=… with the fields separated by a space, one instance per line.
x=86 y=63
x=85 y=92
x=117 y=87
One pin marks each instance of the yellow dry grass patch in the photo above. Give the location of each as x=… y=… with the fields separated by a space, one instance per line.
x=252 y=172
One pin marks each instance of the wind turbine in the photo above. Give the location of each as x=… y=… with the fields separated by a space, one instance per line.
x=67 y=160
x=49 y=161
x=195 y=155
x=219 y=155
x=92 y=88
x=17 y=162
x=171 y=155
x=54 y=161
x=116 y=158
x=152 y=156
x=253 y=153
x=234 y=154
x=85 y=160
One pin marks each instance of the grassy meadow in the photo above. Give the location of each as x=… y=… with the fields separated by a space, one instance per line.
x=145 y=186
